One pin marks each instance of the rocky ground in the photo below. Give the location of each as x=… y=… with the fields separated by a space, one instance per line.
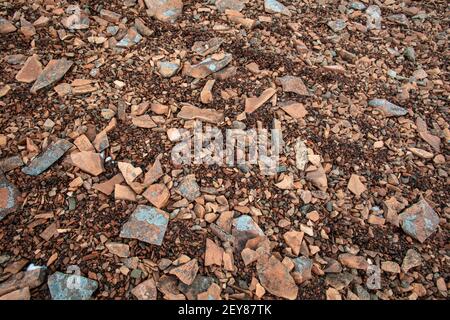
x=93 y=207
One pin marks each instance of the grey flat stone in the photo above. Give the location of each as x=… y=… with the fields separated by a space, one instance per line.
x=70 y=287
x=52 y=154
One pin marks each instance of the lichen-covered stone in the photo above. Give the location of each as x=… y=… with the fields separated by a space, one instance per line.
x=244 y=229
x=419 y=220
x=146 y=224
x=70 y=286
x=388 y=108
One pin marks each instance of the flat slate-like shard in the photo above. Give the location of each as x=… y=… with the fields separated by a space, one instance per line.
x=52 y=154
x=146 y=224
x=53 y=72
x=70 y=286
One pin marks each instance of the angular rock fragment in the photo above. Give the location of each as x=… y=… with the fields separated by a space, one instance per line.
x=121 y=250
x=339 y=281
x=52 y=154
x=27 y=28
x=131 y=38
x=253 y=103
x=388 y=108
x=108 y=186
x=273 y=6
x=353 y=262
x=293 y=84
x=186 y=272
x=19 y=294
x=244 y=229
x=208 y=66
x=6 y=26
x=275 y=278
x=10 y=163
x=70 y=286
x=190 y=112
x=30 y=71
x=31 y=279
x=154 y=173
x=419 y=220
x=199 y=285
x=301 y=155
x=157 y=194
x=355 y=185
x=53 y=72
x=213 y=293
x=145 y=290
x=140 y=26
x=206 y=93
x=223 y=5
x=88 y=161
x=147 y=224
x=110 y=16
x=168 y=69
x=213 y=254
x=318 y=178
x=129 y=172
x=124 y=193
x=164 y=10
x=411 y=260
x=337 y=25
x=294 y=240
x=302 y=269
x=8 y=197
x=144 y=121
x=205 y=48
x=189 y=188
x=294 y=109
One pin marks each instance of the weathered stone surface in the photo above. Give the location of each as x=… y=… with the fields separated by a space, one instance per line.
x=388 y=108
x=391 y=209
x=253 y=103
x=199 y=285
x=88 y=161
x=190 y=112
x=53 y=72
x=294 y=240
x=353 y=262
x=244 y=229
x=301 y=155
x=52 y=154
x=10 y=163
x=20 y=294
x=164 y=10
x=205 y=48
x=124 y=193
x=223 y=5
x=294 y=109
x=208 y=66
x=131 y=38
x=119 y=249
x=419 y=220
x=110 y=16
x=144 y=121
x=31 y=279
x=275 y=278
x=186 y=272
x=107 y=187
x=337 y=25
x=129 y=172
x=145 y=290
x=30 y=71
x=8 y=197
x=339 y=281
x=318 y=178
x=157 y=194
x=411 y=260
x=273 y=6
x=213 y=254
x=70 y=286
x=168 y=69
x=293 y=84
x=140 y=26
x=6 y=26
x=213 y=293
x=355 y=185
x=302 y=269
x=189 y=188
x=146 y=224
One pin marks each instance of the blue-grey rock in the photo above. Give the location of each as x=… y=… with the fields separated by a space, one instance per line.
x=52 y=154
x=70 y=286
x=199 y=285
x=410 y=54
x=131 y=38
x=147 y=224
x=168 y=69
x=337 y=25
x=356 y=5
x=189 y=188
x=223 y=5
x=302 y=269
x=399 y=18
x=244 y=229
x=273 y=6
x=388 y=108
x=419 y=220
